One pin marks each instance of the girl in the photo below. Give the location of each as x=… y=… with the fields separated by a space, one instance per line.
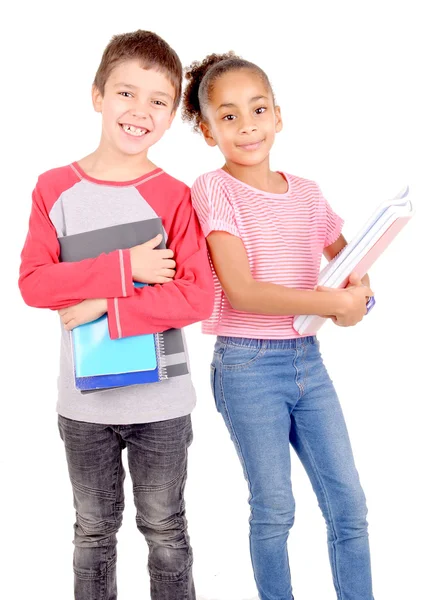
x=266 y=232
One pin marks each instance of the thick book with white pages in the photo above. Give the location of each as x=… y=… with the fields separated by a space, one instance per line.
x=361 y=252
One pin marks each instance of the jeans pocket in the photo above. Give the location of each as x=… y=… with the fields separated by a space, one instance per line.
x=213 y=384
x=241 y=357
x=212 y=377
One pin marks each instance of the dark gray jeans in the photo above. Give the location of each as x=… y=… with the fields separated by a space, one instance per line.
x=157 y=459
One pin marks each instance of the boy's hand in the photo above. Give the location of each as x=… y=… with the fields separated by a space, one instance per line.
x=84 y=312
x=149 y=265
x=352 y=301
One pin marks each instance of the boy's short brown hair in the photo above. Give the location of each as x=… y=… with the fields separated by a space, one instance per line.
x=148 y=48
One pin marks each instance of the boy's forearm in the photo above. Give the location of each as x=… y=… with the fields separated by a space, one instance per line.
x=155 y=309
x=185 y=300
x=57 y=285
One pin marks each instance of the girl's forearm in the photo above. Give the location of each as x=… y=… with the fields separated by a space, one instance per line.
x=272 y=299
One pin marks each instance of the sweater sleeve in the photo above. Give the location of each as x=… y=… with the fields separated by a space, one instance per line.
x=185 y=300
x=45 y=282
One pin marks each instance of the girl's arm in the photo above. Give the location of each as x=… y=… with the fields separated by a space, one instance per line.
x=248 y=295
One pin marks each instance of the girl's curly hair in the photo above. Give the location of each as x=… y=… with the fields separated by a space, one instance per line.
x=201 y=77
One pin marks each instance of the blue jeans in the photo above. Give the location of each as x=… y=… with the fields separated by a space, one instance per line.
x=270 y=393
x=157 y=458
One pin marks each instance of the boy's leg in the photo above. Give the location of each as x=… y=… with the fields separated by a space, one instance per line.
x=93 y=454
x=157 y=457
x=319 y=436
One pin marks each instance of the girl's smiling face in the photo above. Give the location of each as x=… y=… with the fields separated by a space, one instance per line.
x=241 y=117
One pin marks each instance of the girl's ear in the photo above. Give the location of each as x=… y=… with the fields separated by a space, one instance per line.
x=278 y=119
x=206 y=132
x=97 y=99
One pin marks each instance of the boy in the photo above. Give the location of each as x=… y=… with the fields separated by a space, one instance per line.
x=137 y=90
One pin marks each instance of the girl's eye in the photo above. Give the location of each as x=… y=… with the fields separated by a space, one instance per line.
x=159 y=103
x=229 y=118
x=260 y=110
x=126 y=94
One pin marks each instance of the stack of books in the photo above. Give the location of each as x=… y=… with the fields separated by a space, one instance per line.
x=360 y=253
x=99 y=362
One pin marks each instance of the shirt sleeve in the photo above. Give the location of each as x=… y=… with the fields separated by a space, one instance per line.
x=333 y=223
x=213 y=207
x=45 y=282
x=187 y=299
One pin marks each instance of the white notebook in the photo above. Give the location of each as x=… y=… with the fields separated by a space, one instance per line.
x=361 y=252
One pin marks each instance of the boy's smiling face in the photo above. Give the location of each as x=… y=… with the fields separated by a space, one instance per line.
x=136 y=108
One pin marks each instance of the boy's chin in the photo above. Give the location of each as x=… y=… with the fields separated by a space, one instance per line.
x=129 y=152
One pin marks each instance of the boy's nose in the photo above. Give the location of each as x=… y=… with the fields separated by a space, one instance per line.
x=140 y=112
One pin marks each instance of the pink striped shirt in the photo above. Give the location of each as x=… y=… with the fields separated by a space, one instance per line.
x=284 y=236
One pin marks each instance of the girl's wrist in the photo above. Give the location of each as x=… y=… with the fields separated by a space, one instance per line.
x=334 y=303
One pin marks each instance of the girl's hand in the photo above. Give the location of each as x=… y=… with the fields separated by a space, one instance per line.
x=83 y=312
x=352 y=301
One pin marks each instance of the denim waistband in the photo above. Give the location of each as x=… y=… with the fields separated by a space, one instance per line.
x=271 y=344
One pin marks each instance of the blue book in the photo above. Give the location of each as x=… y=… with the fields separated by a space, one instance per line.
x=102 y=363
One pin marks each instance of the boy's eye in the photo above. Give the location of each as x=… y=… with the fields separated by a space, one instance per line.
x=126 y=94
x=260 y=110
x=159 y=103
x=229 y=118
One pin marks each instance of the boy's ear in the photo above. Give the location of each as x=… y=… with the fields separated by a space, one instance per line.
x=278 y=119
x=97 y=99
x=208 y=136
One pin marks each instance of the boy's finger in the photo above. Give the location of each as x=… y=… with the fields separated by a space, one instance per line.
x=154 y=242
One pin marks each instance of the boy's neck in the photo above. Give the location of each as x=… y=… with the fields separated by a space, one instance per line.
x=108 y=166
x=258 y=176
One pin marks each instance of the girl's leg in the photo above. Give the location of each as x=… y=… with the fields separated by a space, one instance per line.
x=320 y=438
x=251 y=396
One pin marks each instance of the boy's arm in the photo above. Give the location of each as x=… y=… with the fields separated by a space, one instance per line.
x=185 y=300
x=47 y=283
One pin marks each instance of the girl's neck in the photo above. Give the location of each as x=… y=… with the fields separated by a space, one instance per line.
x=258 y=176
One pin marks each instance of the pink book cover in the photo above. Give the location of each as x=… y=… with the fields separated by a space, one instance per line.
x=314 y=322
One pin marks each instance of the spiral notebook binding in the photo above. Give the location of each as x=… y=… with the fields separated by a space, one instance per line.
x=161 y=356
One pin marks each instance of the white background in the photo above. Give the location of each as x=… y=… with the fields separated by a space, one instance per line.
x=355 y=84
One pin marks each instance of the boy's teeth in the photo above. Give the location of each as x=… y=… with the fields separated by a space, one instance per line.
x=133 y=130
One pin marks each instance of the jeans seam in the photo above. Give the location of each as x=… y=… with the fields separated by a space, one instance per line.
x=300 y=387
x=323 y=488
x=242 y=458
x=233 y=431
x=158 y=488
x=304 y=362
